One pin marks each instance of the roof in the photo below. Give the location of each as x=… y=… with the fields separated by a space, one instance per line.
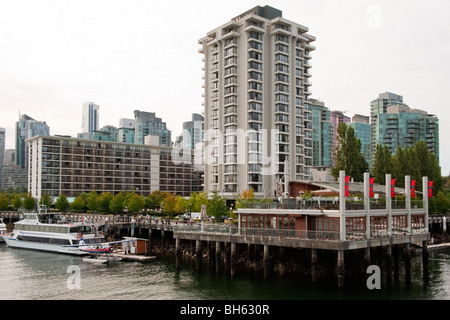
x=354 y=187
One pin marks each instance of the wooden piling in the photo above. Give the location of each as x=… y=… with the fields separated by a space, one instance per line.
x=340 y=268
x=233 y=259
x=314 y=275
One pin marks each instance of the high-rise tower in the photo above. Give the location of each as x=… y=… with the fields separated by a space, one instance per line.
x=89 y=120
x=257 y=128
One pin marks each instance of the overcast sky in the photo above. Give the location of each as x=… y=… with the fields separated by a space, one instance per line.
x=143 y=54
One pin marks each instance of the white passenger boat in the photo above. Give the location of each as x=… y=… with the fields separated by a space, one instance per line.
x=2 y=230
x=47 y=232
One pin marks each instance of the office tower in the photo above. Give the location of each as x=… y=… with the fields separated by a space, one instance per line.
x=321 y=133
x=146 y=123
x=256 y=77
x=90 y=119
x=192 y=132
x=27 y=128
x=361 y=126
x=2 y=156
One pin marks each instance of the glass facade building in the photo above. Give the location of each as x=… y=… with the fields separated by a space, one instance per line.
x=361 y=126
x=321 y=133
x=27 y=128
x=395 y=124
x=146 y=123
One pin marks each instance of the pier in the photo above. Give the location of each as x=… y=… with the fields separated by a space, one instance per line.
x=341 y=233
x=338 y=240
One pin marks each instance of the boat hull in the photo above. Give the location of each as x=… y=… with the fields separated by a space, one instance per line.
x=28 y=245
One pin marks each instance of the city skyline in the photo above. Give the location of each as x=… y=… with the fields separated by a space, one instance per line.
x=123 y=57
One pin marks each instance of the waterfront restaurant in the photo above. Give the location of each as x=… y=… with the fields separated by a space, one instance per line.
x=343 y=217
x=342 y=224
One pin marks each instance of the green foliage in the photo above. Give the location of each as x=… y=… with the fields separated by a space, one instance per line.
x=17 y=202
x=92 y=201
x=216 y=206
x=104 y=202
x=62 y=203
x=245 y=197
x=29 y=203
x=117 y=204
x=440 y=204
x=4 y=201
x=169 y=203
x=156 y=198
x=196 y=200
x=416 y=161
x=382 y=164
x=135 y=203
x=78 y=205
x=181 y=204
x=45 y=200
x=348 y=156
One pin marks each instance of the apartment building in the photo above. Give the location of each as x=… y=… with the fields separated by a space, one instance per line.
x=395 y=124
x=70 y=166
x=256 y=80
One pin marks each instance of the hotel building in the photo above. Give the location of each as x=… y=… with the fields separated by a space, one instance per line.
x=256 y=80
x=70 y=166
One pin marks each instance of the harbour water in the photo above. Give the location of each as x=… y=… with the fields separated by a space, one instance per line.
x=29 y=275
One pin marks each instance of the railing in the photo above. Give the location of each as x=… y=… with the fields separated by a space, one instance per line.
x=328 y=203
x=379 y=229
x=256 y=232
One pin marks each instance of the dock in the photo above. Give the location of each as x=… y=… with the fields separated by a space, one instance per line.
x=133 y=257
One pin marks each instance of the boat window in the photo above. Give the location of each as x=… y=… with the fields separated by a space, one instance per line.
x=83 y=229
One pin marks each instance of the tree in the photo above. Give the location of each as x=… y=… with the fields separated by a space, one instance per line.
x=196 y=200
x=92 y=201
x=4 y=201
x=78 y=205
x=45 y=200
x=348 y=156
x=117 y=203
x=417 y=162
x=17 y=202
x=181 y=204
x=244 y=197
x=169 y=203
x=440 y=203
x=29 y=203
x=217 y=206
x=156 y=199
x=62 y=204
x=104 y=202
x=135 y=203
x=382 y=164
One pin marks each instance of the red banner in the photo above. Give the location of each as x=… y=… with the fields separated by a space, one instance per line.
x=430 y=189
x=371 y=180
x=347 y=182
x=413 y=188
x=392 y=188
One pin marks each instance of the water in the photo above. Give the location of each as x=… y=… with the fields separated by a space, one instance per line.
x=30 y=275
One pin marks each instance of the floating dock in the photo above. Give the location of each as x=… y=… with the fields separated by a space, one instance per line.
x=133 y=257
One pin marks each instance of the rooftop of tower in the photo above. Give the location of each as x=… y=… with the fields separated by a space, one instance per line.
x=267 y=12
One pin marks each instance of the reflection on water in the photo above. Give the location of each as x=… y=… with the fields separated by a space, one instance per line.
x=36 y=275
